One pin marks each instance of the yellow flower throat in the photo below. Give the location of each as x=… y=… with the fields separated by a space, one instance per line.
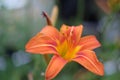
x=67 y=50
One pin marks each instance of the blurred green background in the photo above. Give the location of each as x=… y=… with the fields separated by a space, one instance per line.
x=21 y=19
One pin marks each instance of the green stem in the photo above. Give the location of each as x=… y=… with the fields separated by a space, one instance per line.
x=47 y=58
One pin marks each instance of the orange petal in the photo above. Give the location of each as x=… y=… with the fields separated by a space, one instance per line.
x=77 y=29
x=64 y=28
x=77 y=32
x=89 y=60
x=41 y=44
x=72 y=32
x=51 y=32
x=41 y=49
x=54 y=67
x=89 y=42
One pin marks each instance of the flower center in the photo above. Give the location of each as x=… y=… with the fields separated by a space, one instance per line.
x=67 y=50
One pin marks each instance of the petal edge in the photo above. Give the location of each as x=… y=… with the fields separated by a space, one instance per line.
x=89 y=42
x=89 y=60
x=54 y=67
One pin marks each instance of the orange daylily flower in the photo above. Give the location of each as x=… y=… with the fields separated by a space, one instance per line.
x=66 y=45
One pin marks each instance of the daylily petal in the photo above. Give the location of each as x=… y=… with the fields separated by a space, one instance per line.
x=54 y=67
x=76 y=29
x=51 y=32
x=89 y=60
x=41 y=44
x=42 y=49
x=89 y=42
x=64 y=28
x=72 y=33
x=77 y=32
